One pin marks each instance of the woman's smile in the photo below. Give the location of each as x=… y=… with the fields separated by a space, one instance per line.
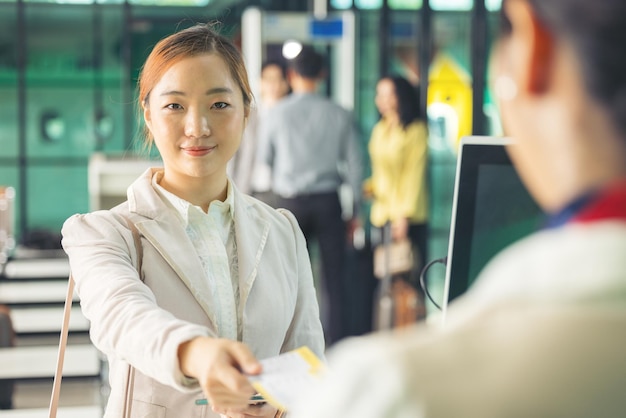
x=198 y=151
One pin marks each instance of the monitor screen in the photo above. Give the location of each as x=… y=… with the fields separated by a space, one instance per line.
x=491 y=209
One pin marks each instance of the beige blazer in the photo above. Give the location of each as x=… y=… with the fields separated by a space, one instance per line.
x=143 y=323
x=540 y=334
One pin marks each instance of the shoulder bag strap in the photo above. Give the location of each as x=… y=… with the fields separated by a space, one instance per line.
x=58 y=373
x=56 y=385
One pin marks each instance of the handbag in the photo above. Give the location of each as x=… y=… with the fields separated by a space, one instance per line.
x=393 y=258
x=58 y=374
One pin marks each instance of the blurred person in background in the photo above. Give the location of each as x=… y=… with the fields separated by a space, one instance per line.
x=225 y=279
x=541 y=332
x=398 y=151
x=311 y=146
x=242 y=167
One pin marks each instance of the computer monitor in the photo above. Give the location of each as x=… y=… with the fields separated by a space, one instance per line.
x=491 y=209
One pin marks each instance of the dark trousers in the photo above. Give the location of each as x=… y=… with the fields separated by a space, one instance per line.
x=7 y=337
x=319 y=217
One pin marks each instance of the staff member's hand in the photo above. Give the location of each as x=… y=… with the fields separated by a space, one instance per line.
x=262 y=410
x=220 y=366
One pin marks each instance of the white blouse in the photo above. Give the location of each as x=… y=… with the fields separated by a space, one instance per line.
x=213 y=236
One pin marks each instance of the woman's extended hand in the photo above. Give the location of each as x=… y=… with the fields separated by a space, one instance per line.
x=219 y=366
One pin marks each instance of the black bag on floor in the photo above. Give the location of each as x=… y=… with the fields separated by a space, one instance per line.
x=7 y=339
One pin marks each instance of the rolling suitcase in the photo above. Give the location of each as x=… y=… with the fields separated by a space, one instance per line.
x=398 y=303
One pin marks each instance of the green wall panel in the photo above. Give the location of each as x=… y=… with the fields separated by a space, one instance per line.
x=69 y=116
x=54 y=193
x=9 y=178
x=8 y=81
x=8 y=122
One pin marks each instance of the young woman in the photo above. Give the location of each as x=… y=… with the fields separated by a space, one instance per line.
x=541 y=332
x=398 y=150
x=225 y=279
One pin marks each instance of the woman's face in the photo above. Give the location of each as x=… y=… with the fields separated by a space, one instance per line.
x=273 y=84
x=386 y=99
x=196 y=115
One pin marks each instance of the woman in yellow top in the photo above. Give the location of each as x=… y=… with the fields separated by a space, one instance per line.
x=398 y=154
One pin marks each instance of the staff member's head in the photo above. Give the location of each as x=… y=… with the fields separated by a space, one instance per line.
x=560 y=80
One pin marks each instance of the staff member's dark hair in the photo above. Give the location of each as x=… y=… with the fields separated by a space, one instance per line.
x=597 y=32
x=308 y=63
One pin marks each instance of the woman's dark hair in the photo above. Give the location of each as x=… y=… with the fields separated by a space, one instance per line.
x=190 y=42
x=597 y=32
x=408 y=99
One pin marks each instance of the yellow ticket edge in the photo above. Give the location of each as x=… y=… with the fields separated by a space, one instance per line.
x=317 y=366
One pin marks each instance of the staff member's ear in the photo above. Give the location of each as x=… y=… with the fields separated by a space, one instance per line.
x=531 y=49
x=530 y=93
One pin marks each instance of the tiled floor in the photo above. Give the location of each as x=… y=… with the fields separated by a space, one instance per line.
x=74 y=392
x=64 y=412
x=35 y=393
x=80 y=398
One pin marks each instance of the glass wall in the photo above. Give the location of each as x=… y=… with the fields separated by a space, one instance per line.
x=60 y=79
x=112 y=110
x=449 y=109
x=9 y=136
x=449 y=102
x=494 y=127
x=71 y=94
x=8 y=81
x=450 y=84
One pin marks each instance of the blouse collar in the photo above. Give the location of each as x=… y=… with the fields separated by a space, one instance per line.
x=602 y=204
x=182 y=206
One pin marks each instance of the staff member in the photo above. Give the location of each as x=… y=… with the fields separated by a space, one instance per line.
x=541 y=333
